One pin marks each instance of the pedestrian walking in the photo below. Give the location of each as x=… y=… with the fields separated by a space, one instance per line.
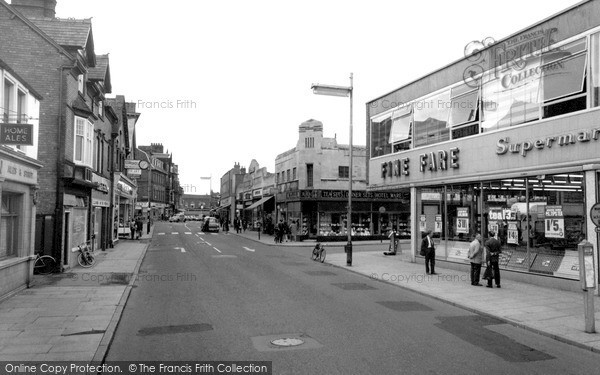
x=475 y=257
x=428 y=250
x=294 y=230
x=139 y=226
x=393 y=236
x=493 y=250
x=132 y=228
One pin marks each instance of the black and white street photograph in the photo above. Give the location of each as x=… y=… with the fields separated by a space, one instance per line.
x=317 y=187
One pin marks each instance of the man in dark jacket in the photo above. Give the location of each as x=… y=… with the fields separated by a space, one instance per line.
x=428 y=247
x=493 y=250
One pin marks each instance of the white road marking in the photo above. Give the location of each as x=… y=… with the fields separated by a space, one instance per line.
x=188 y=232
x=216 y=249
x=207 y=243
x=247 y=249
x=180 y=248
x=161 y=234
x=174 y=232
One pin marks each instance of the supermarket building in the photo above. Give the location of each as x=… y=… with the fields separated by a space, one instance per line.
x=507 y=140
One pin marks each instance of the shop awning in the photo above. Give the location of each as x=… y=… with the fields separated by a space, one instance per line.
x=259 y=203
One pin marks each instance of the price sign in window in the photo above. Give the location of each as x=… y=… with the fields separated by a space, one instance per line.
x=423 y=223
x=554 y=223
x=438 y=224
x=512 y=234
x=462 y=220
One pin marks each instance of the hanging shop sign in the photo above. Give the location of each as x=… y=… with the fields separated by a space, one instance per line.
x=16 y=134
x=554 y=222
x=595 y=214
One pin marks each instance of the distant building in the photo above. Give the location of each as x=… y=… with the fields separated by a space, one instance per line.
x=228 y=208
x=256 y=196
x=312 y=188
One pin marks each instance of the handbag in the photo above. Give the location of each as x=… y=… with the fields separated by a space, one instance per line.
x=422 y=253
x=488 y=274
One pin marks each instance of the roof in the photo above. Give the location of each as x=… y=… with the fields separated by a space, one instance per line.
x=69 y=33
x=101 y=72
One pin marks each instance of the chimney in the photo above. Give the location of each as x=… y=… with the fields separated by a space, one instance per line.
x=36 y=8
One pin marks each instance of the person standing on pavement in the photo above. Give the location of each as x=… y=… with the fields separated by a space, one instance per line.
x=475 y=256
x=428 y=247
x=139 y=226
x=494 y=249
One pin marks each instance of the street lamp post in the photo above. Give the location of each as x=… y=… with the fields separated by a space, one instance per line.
x=149 y=187
x=343 y=91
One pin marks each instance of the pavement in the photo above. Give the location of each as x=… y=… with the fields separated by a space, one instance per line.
x=73 y=316
x=549 y=312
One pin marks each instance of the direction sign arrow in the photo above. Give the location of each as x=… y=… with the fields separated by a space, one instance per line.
x=252 y=250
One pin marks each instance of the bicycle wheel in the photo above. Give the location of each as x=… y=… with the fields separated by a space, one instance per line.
x=44 y=265
x=323 y=254
x=86 y=260
x=314 y=254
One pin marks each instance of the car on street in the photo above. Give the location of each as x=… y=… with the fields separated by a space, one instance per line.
x=210 y=224
x=179 y=217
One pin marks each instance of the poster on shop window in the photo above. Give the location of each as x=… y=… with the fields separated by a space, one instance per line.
x=512 y=233
x=554 y=222
x=462 y=220
x=423 y=223
x=438 y=224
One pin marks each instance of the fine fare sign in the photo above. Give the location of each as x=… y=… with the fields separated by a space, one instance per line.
x=16 y=134
x=441 y=160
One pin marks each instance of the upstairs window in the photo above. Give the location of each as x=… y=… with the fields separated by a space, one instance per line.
x=401 y=130
x=8 y=102
x=380 y=135
x=431 y=119
x=343 y=171
x=309 y=142
x=80 y=83
x=84 y=142
x=464 y=111
x=309 y=175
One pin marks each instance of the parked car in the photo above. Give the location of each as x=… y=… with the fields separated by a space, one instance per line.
x=210 y=225
x=179 y=217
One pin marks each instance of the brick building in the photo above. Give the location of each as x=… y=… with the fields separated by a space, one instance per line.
x=57 y=57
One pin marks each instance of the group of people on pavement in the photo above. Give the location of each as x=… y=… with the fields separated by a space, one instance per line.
x=479 y=253
x=135 y=227
x=286 y=232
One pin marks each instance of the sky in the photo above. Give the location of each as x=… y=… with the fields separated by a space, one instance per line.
x=224 y=82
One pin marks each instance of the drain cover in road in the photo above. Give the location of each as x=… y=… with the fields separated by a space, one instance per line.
x=184 y=328
x=319 y=273
x=353 y=286
x=405 y=306
x=472 y=329
x=286 y=341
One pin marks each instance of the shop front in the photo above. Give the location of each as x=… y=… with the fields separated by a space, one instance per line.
x=18 y=188
x=124 y=195
x=100 y=215
x=535 y=198
x=323 y=214
x=505 y=142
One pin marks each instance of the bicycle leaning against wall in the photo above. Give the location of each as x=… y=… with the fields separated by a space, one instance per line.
x=44 y=264
x=86 y=256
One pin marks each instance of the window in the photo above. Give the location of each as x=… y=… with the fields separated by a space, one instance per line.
x=277 y=178
x=464 y=111
x=8 y=100
x=21 y=107
x=9 y=225
x=84 y=147
x=380 y=135
x=80 y=82
x=309 y=175
x=101 y=108
x=294 y=174
x=595 y=53
x=344 y=171
x=400 y=132
x=431 y=119
x=288 y=175
x=309 y=142
x=563 y=79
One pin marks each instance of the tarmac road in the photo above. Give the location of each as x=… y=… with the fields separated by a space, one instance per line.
x=203 y=297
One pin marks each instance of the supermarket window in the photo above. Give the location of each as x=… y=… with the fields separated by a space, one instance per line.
x=563 y=76
x=595 y=81
x=380 y=135
x=464 y=111
x=401 y=129
x=431 y=119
